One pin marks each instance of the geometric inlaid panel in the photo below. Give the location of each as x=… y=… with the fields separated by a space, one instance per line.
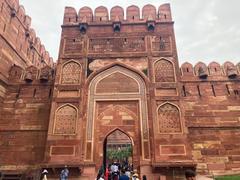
x=161 y=43
x=164 y=71
x=117 y=83
x=73 y=46
x=65 y=120
x=125 y=44
x=71 y=73
x=117 y=115
x=169 y=119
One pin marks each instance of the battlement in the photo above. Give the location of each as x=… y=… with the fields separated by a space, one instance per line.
x=212 y=69
x=15 y=28
x=31 y=74
x=101 y=14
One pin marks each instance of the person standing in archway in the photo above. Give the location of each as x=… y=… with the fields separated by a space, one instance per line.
x=123 y=176
x=190 y=174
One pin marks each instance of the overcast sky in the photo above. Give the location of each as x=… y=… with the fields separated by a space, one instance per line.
x=205 y=30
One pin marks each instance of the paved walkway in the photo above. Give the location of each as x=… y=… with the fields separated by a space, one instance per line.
x=200 y=177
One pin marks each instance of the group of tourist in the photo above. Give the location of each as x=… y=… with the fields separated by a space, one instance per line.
x=118 y=171
x=115 y=172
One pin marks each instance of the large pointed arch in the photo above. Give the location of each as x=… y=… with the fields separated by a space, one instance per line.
x=120 y=64
x=138 y=96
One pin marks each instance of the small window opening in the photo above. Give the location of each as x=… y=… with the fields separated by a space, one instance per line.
x=50 y=93
x=228 y=90
x=4 y=27
x=125 y=39
x=100 y=18
x=213 y=90
x=83 y=29
x=199 y=92
x=74 y=40
x=18 y=93
x=69 y=19
x=165 y=16
x=34 y=92
x=184 y=91
x=117 y=28
x=151 y=27
x=133 y=17
x=187 y=70
x=215 y=69
x=236 y=92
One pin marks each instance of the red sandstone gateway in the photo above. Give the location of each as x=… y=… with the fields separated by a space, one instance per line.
x=116 y=85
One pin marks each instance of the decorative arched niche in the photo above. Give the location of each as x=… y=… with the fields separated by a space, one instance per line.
x=15 y=73
x=164 y=71
x=168 y=118
x=65 y=120
x=31 y=73
x=71 y=73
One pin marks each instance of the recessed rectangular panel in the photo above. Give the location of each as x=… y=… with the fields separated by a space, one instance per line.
x=146 y=150
x=172 y=150
x=62 y=150
x=89 y=150
x=166 y=92
x=68 y=94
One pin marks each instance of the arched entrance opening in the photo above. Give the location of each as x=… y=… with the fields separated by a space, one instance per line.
x=117 y=100
x=118 y=148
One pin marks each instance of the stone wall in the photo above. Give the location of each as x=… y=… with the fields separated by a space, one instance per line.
x=18 y=41
x=212 y=112
x=24 y=120
x=26 y=78
x=119 y=72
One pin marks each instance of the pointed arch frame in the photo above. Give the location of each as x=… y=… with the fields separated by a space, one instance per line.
x=94 y=98
x=173 y=65
x=180 y=117
x=55 y=113
x=61 y=71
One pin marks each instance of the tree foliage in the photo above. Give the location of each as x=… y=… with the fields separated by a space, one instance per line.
x=120 y=154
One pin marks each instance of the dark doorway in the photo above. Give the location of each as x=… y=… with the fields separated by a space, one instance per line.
x=117 y=147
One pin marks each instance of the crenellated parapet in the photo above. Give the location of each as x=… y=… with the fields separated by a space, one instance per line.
x=30 y=74
x=21 y=45
x=101 y=14
x=213 y=69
